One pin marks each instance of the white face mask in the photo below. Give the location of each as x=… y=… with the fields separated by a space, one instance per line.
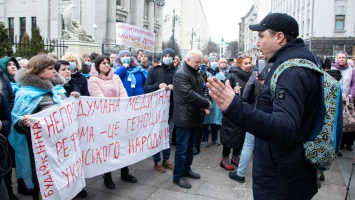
x=214 y=65
x=167 y=60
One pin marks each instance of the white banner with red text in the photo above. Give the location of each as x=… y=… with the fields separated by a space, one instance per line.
x=87 y=136
x=134 y=36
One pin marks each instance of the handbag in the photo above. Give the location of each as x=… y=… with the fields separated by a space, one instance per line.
x=349 y=115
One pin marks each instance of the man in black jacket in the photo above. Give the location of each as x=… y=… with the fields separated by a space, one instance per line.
x=189 y=109
x=160 y=77
x=278 y=123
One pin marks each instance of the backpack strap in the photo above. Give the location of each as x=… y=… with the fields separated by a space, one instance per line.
x=291 y=63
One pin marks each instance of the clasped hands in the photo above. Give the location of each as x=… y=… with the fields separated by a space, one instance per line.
x=167 y=87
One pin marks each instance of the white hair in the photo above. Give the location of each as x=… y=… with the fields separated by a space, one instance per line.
x=190 y=54
x=23 y=61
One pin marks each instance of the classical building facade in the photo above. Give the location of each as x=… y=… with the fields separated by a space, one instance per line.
x=248 y=38
x=327 y=26
x=98 y=17
x=191 y=28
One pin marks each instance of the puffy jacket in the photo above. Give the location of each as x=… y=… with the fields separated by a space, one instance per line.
x=188 y=97
x=105 y=86
x=278 y=123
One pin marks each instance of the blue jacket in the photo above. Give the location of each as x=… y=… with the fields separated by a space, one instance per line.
x=280 y=170
x=215 y=116
x=140 y=80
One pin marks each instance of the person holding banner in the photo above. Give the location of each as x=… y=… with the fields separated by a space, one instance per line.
x=103 y=83
x=41 y=87
x=133 y=76
x=190 y=107
x=76 y=77
x=162 y=77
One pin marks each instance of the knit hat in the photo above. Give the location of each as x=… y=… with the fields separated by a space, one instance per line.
x=123 y=52
x=168 y=51
x=212 y=58
x=277 y=22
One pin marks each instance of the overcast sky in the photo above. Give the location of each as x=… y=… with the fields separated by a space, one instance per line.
x=223 y=17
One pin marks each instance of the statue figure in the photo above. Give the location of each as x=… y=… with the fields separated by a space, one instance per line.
x=72 y=28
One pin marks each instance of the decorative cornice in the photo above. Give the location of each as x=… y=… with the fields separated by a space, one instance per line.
x=160 y=2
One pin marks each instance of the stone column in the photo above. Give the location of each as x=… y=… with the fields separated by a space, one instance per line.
x=111 y=24
x=159 y=40
x=151 y=15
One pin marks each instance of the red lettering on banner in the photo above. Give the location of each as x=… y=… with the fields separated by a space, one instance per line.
x=101 y=154
x=104 y=106
x=148 y=42
x=139 y=103
x=46 y=173
x=112 y=130
x=61 y=147
x=145 y=120
x=162 y=97
x=151 y=141
x=86 y=133
x=74 y=172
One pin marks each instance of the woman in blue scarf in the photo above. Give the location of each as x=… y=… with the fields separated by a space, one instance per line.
x=133 y=76
x=41 y=87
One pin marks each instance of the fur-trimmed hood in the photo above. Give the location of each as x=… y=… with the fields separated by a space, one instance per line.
x=36 y=81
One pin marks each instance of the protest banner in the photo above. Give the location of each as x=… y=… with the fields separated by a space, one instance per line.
x=134 y=36
x=84 y=137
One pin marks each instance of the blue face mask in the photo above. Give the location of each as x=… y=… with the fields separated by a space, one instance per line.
x=72 y=66
x=167 y=61
x=88 y=63
x=214 y=66
x=125 y=60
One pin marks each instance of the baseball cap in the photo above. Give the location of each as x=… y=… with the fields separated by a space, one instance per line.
x=277 y=22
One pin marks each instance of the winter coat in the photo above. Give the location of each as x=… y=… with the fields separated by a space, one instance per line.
x=33 y=96
x=345 y=81
x=7 y=103
x=3 y=66
x=105 y=86
x=188 y=97
x=140 y=80
x=280 y=170
x=232 y=136
x=215 y=116
x=157 y=75
x=80 y=82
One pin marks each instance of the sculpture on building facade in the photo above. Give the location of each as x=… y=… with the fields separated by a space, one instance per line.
x=72 y=28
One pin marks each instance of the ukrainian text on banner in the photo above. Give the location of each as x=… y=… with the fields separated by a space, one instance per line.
x=87 y=136
x=134 y=36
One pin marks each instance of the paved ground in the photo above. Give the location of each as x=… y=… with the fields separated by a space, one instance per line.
x=214 y=182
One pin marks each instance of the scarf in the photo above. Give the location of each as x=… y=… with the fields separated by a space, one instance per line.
x=340 y=67
x=27 y=99
x=131 y=71
x=15 y=86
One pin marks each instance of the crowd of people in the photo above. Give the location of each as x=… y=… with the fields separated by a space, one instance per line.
x=208 y=96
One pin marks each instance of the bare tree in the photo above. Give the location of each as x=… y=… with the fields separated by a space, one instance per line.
x=169 y=44
x=209 y=47
x=233 y=48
